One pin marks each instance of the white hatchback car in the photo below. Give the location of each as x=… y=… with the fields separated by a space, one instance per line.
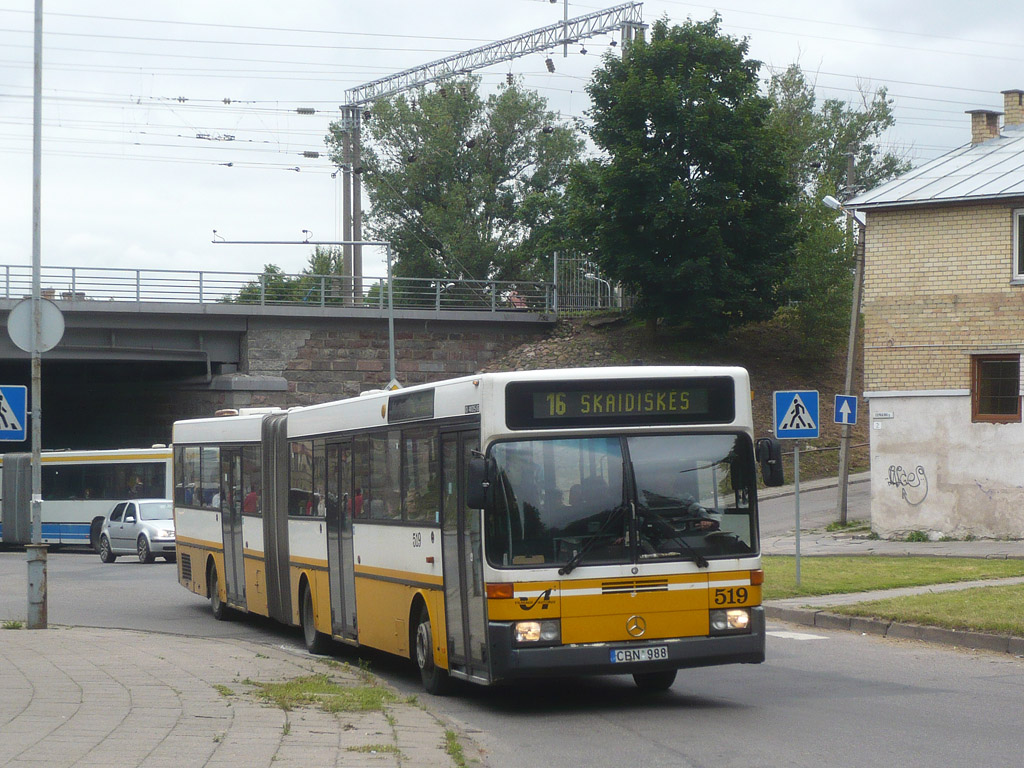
x=143 y=527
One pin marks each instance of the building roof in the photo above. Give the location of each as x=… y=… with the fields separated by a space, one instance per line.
x=987 y=170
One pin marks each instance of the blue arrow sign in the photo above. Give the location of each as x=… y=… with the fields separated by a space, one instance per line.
x=796 y=414
x=846 y=409
x=13 y=419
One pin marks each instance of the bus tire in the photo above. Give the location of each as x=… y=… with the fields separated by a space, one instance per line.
x=106 y=555
x=655 y=682
x=436 y=681
x=94 y=533
x=218 y=607
x=316 y=641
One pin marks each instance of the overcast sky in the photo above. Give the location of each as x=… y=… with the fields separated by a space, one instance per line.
x=163 y=121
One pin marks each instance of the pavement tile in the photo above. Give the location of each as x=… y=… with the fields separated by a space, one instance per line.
x=65 y=702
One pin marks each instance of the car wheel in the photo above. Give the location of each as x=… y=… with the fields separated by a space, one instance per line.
x=94 y=533
x=435 y=680
x=316 y=642
x=218 y=606
x=145 y=556
x=106 y=555
x=653 y=682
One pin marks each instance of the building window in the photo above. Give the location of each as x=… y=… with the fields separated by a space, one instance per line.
x=995 y=388
x=1018 y=244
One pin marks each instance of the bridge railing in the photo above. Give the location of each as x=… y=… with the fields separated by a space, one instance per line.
x=208 y=287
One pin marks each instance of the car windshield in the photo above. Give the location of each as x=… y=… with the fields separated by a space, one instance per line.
x=572 y=501
x=158 y=510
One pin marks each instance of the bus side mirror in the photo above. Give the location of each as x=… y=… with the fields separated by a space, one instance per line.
x=769 y=456
x=476 y=483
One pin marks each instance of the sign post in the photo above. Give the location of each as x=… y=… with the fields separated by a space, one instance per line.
x=796 y=418
x=846 y=415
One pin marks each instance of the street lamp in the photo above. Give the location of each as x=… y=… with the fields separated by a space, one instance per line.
x=858 y=278
x=592 y=276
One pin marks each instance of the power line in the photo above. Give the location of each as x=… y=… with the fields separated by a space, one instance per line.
x=846 y=25
x=275 y=30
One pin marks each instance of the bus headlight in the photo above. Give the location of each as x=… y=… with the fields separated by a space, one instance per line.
x=536 y=632
x=730 y=620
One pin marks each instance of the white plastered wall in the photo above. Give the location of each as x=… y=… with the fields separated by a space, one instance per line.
x=933 y=470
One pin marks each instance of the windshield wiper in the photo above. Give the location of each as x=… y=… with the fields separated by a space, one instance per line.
x=672 y=535
x=589 y=544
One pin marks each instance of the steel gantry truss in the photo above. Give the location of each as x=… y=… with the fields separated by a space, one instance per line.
x=625 y=17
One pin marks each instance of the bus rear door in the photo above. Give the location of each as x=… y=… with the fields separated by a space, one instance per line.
x=341 y=501
x=231 y=523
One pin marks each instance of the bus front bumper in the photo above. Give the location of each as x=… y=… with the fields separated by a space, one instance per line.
x=510 y=662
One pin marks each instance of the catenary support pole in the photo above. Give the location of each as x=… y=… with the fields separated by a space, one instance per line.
x=37 y=550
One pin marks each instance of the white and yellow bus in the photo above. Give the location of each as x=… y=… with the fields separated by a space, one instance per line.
x=491 y=527
x=78 y=489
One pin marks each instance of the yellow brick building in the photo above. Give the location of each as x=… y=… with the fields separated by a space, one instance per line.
x=944 y=332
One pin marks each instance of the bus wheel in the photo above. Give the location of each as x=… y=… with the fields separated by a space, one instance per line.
x=217 y=606
x=316 y=642
x=654 y=682
x=106 y=555
x=435 y=680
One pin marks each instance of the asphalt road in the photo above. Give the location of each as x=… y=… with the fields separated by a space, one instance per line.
x=822 y=698
x=817 y=509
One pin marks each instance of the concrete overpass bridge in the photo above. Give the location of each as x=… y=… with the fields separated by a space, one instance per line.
x=145 y=347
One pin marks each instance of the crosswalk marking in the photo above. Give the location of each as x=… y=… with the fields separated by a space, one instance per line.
x=787 y=635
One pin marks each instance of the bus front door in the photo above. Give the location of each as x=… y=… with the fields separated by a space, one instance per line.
x=465 y=606
x=231 y=523
x=340 y=562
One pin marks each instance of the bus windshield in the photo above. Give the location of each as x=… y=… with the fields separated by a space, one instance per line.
x=607 y=500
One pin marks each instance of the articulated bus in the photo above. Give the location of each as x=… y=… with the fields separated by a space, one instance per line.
x=78 y=489
x=492 y=527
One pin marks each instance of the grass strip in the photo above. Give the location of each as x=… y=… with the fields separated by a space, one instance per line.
x=321 y=691
x=984 y=609
x=840 y=575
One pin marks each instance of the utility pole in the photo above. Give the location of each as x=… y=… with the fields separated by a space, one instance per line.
x=37 y=602
x=851 y=344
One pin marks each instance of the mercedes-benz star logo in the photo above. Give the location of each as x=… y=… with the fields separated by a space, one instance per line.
x=636 y=626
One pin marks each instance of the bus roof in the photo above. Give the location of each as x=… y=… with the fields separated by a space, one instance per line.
x=450 y=398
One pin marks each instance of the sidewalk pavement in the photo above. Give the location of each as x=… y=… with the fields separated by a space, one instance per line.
x=77 y=696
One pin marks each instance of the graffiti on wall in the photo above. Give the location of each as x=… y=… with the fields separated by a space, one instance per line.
x=913 y=486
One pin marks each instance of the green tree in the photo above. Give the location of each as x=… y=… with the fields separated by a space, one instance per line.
x=272 y=287
x=464 y=186
x=691 y=207
x=818 y=141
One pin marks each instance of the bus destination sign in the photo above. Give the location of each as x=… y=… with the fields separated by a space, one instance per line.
x=636 y=402
x=624 y=402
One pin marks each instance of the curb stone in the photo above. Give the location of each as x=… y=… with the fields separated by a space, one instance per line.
x=981 y=641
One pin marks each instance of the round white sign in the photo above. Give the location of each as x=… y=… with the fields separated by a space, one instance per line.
x=51 y=325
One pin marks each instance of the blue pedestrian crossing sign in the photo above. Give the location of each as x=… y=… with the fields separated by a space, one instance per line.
x=13 y=402
x=796 y=414
x=846 y=409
